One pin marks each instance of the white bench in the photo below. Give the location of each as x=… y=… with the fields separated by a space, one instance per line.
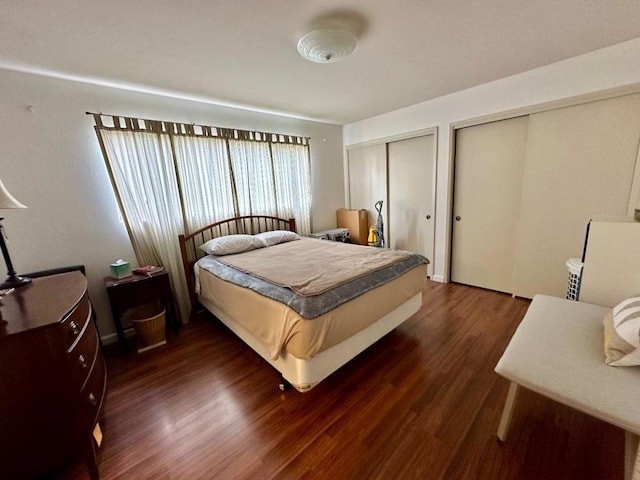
x=558 y=351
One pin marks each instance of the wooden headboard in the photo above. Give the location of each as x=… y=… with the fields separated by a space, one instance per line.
x=249 y=224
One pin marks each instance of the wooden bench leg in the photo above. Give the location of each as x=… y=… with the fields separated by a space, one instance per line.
x=507 y=412
x=631 y=457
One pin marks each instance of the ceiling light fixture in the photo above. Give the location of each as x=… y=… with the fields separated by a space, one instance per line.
x=327 y=45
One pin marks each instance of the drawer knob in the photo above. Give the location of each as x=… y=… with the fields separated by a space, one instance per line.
x=92 y=399
x=75 y=328
x=83 y=361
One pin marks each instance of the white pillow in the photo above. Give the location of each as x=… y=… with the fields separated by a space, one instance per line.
x=277 y=236
x=232 y=244
x=622 y=334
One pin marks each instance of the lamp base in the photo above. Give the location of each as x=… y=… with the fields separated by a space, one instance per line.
x=15 y=282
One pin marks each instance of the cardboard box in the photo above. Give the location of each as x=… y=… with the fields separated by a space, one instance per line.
x=357 y=221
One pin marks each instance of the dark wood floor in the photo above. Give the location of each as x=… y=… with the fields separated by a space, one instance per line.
x=422 y=403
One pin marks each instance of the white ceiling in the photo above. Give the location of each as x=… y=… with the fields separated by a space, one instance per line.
x=243 y=52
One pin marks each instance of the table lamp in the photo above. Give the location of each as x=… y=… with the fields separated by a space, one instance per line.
x=13 y=280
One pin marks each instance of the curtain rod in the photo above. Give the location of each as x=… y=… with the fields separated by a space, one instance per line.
x=222 y=129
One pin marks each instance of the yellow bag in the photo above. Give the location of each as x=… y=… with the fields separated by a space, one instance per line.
x=373 y=238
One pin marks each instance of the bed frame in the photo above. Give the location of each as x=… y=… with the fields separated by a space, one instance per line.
x=248 y=224
x=303 y=375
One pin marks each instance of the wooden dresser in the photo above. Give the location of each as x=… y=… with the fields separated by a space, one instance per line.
x=52 y=377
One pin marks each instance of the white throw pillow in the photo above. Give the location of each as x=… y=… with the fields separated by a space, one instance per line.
x=277 y=236
x=622 y=334
x=230 y=244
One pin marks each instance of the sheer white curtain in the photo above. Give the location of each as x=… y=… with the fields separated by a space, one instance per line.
x=148 y=191
x=253 y=177
x=206 y=180
x=174 y=178
x=292 y=173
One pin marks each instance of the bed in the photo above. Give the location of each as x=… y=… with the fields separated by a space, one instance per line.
x=306 y=329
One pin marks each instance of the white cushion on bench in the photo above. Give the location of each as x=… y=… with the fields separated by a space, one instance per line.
x=558 y=351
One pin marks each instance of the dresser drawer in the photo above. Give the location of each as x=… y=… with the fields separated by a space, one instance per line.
x=74 y=323
x=83 y=355
x=92 y=394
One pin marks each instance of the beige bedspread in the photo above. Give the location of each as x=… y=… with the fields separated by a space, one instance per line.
x=313 y=266
x=279 y=328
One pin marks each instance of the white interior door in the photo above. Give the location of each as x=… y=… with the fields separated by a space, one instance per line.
x=368 y=179
x=489 y=165
x=411 y=196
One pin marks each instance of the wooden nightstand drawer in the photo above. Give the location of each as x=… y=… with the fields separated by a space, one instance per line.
x=74 y=323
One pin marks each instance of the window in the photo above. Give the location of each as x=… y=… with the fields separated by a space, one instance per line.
x=170 y=178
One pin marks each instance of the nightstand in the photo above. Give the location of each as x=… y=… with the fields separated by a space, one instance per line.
x=137 y=290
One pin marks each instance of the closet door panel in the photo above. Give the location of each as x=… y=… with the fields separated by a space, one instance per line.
x=489 y=164
x=411 y=180
x=580 y=163
x=368 y=179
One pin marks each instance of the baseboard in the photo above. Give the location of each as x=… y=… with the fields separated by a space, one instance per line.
x=110 y=338
x=438 y=278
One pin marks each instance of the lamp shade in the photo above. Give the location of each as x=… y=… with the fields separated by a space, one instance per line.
x=327 y=45
x=7 y=200
x=13 y=280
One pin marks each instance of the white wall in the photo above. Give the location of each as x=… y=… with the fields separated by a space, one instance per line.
x=51 y=162
x=611 y=67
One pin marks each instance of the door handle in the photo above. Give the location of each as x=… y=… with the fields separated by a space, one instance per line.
x=428 y=217
x=458 y=218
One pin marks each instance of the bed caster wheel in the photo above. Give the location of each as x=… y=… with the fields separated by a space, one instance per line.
x=284 y=386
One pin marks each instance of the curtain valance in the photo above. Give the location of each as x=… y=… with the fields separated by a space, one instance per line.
x=118 y=122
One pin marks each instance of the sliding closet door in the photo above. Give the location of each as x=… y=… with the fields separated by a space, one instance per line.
x=368 y=179
x=580 y=163
x=411 y=179
x=489 y=163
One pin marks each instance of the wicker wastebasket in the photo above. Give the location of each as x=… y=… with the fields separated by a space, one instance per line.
x=149 y=324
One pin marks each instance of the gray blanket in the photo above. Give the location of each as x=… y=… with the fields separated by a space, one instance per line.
x=317 y=305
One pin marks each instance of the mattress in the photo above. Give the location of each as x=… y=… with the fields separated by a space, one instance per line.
x=281 y=329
